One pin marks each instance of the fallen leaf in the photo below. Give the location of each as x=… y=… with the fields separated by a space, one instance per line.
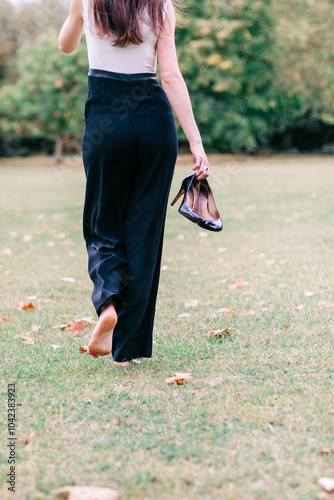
x=96 y=425
x=184 y=315
x=226 y=310
x=29 y=340
x=216 y=334
x=85 y=492
x=191 y=303
x=68 y=279
x=250 y=292
x=319 y=310
x=35 y=328
x=179 y=378
x=83 y=348
x=286 y=328
x=25 y=307
x=299 y=308
x=325 y=451
x=55 y=346
x=31 y=297
x=308 y=294
x=238 y=282
x=186 y=376
x=88 y=320
x=76 y=326
x=270 y=262
x=6 y=251
x=61 y=326
x=327 y=483
x=248 y=312
x=7 y=318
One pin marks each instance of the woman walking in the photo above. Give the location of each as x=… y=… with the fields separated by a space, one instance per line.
x=129 y=152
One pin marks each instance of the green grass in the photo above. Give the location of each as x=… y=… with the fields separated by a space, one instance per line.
x=253 y=422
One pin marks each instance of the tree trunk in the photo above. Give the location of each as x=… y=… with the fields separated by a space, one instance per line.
x=58 y=149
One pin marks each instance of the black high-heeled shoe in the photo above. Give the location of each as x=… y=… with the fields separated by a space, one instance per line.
x=187 y=207
x=207 y=208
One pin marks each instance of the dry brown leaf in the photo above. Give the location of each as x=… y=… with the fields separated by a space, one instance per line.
x=26 y=336
x=216 y=334
x=226 y=310
x=68 y=279
x=86 y=493
x=7 y=318
x=25 y=307
x=27 y=339
x=179 y=378
x=319 y=310
x=248 y=312
x=88 y=320
x=6 y=251
x=286 y=328
x=61 y=326
x=76 y=326
x=83 y=348
x=96 y=425
x=327 y=483
x=238 y=282
x=31 y=297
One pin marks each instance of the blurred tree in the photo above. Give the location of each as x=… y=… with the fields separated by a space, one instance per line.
x=306 y=68
x=24 y=23
x=227 y=54
x=47 y=100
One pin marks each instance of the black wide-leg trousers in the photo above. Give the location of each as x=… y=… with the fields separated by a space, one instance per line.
x=129 y=152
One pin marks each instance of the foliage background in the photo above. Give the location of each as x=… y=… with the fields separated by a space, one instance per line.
x=260 y=74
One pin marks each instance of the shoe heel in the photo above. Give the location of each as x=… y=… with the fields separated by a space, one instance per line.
x=179 y=194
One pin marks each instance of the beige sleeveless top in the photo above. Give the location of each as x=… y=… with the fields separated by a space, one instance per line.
x=103 y=55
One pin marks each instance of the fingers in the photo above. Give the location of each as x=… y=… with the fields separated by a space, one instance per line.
x=202 y=167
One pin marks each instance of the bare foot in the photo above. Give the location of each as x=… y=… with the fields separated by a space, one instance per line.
x=124 y=363
x=101 y=340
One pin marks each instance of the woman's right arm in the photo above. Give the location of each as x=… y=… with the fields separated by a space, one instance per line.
x=176 y=90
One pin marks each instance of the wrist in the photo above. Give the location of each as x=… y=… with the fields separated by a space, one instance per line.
x=196 y=143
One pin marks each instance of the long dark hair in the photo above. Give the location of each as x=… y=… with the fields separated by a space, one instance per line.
x=122 y=19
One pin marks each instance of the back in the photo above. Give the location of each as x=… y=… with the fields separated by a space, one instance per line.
x=103 y=55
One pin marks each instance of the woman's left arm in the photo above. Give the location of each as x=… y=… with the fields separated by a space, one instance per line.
x=70 y=34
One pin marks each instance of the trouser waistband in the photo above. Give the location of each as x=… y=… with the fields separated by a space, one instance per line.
x=125 y=77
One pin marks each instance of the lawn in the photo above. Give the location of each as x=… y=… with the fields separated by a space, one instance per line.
x=256 y=421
